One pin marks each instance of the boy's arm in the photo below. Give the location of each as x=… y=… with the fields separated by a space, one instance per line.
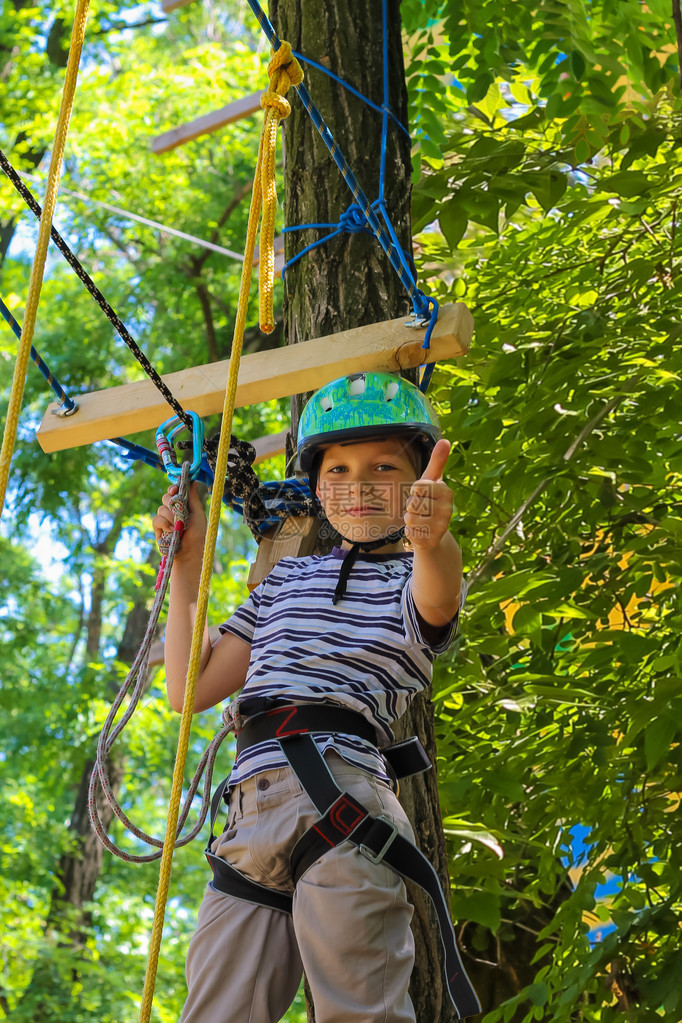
x=437 y=581
x=222 y=668
x=437 y=570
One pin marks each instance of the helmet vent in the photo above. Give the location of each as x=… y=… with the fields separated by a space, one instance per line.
x=357 y=386
x=391 y=390
x=326 y=403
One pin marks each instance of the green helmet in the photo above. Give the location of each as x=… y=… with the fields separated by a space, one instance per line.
x=363 y=406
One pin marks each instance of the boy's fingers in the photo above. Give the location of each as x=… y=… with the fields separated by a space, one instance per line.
x=439 y=456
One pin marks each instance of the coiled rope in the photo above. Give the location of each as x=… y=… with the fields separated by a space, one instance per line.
x=135 y=684
x=38 y=268
x=283 y=71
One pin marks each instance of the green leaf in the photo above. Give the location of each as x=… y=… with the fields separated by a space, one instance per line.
x=479 y=87
x=527 y=619
x=657 y=739
x=627 y=183
x=547 y=188
x=481 y=207
x=645 y=144
x=477 y=907
x=453 y=222
x=577 y=64
x=582 y=151
x=482 y=837
x=538 y=993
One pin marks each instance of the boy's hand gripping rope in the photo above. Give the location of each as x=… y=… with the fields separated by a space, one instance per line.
x=38 y=268
x=262 y=186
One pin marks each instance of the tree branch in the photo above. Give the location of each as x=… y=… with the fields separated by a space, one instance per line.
x=198 y=261
x=121 y=26
x=205 y=303
x=497 y=546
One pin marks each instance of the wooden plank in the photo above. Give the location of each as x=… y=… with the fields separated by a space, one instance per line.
x=244 y=107
x=263 y=376
x=172 y=5
x=295 y=538
x=270 y=446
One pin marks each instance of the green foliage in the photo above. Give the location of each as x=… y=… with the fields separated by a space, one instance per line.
x=562 y=707
x=547 y=195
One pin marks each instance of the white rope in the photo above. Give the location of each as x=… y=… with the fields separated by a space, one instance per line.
x=145 y=220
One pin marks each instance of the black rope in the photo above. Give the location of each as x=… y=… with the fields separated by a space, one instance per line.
x=241 y=480
x=351 y=557
x=99 y=298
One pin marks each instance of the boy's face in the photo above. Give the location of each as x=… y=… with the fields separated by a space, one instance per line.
x=363 y=486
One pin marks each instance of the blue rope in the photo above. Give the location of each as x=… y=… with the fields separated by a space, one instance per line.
x=69 y=404
x=419 y=301
x=350 y=88
x=361 y=213
x=428 y=368
x=386 y=106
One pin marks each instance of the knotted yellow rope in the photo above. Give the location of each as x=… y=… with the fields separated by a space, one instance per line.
x=284 y=70
x=262 y=185
x=38 y=268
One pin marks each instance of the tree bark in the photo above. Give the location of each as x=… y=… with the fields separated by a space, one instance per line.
x=349 y=282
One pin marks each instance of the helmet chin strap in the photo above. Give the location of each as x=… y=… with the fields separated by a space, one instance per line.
x=351 y=557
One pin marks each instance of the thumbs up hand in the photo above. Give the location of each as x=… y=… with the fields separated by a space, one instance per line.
x=429 y=506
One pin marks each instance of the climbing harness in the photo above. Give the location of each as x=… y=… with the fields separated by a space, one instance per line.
x=342 y=818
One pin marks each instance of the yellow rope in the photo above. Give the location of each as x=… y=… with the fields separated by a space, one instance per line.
x=284 y=70
x=266 y=156
x=38 y=268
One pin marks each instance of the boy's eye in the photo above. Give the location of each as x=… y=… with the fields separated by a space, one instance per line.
x=385 y=466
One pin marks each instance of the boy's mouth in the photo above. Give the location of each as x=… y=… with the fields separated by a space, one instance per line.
x=364 y=509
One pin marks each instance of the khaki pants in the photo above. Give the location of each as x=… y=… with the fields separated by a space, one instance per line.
x=350 y=925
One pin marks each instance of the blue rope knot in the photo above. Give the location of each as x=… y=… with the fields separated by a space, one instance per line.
x=354 y=220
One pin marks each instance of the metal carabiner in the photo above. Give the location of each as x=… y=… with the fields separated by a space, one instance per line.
x=166 y=434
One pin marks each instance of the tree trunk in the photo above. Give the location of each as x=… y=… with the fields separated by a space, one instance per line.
x=349 y=282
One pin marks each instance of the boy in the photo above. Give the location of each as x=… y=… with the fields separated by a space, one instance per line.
x=341 y=643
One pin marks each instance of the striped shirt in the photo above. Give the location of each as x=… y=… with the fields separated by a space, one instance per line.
x=366 y=653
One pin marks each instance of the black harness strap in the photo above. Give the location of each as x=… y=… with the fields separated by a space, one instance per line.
x=230 y=881
x=378 y=839
x=294 y=719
